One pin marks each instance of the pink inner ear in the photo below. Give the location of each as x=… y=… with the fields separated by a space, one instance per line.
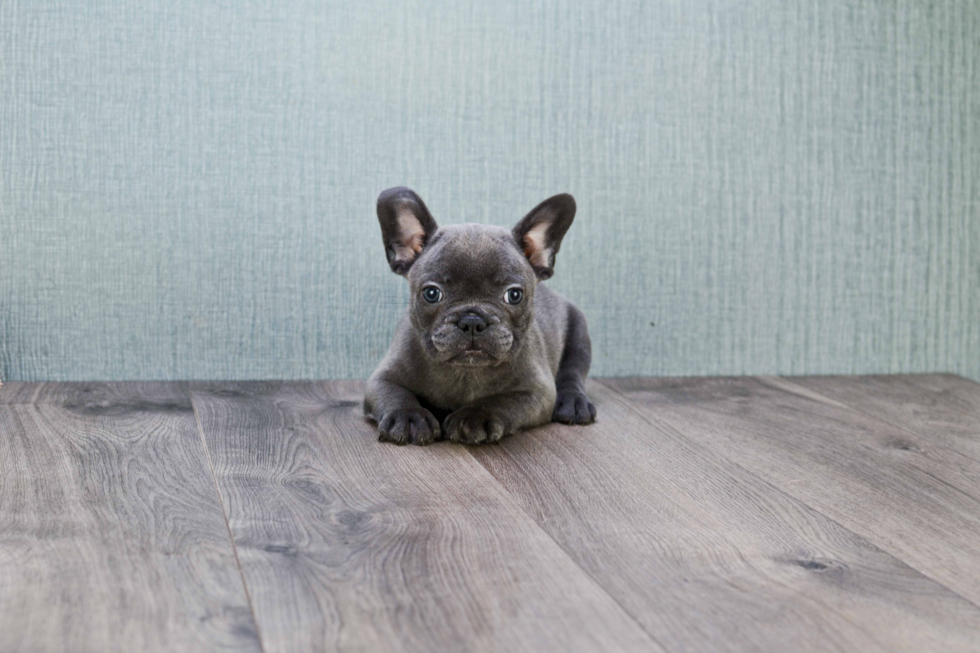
x=534 y=245
x=411 y=236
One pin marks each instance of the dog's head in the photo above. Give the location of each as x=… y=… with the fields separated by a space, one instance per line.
x=472 y=286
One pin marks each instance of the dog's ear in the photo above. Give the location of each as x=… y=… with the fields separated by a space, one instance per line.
x=406 y=226
x=539 y=234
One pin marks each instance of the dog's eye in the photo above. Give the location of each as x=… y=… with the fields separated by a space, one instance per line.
x=431 y=294
x=513 y=295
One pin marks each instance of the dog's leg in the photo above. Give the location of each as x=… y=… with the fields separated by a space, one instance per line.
x=572 y=406
x=492 y=418
x=400 y=417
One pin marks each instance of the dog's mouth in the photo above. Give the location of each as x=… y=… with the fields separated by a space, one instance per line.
x=472 y=357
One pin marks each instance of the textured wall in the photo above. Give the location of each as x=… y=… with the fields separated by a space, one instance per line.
x=187 y=187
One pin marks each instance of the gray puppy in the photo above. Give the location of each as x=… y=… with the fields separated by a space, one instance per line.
x=483 y=346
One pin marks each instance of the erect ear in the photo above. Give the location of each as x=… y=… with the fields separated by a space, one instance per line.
x=539 y=234
x=406 y=227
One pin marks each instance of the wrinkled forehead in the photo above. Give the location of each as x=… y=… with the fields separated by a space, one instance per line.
x=472 y=254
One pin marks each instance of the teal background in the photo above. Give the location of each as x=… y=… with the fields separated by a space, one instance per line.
x=187 y=188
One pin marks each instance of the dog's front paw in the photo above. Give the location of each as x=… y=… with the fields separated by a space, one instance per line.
x=572 y=407
x=404 y=425
x=472 y=425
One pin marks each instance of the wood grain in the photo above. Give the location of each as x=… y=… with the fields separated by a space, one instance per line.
x=350 y=544
x=908 y=495
x=706 y=555
x=112 y=537
x=92 y=394
x=942 y=408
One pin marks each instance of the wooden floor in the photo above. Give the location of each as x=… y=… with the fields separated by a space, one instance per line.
x=720 y=514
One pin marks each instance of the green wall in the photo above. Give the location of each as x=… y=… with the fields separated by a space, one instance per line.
x=187 y=188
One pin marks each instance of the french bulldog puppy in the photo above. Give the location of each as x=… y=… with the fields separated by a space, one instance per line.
x=484 y=346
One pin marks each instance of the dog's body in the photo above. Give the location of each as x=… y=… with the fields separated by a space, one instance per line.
x=483 y=344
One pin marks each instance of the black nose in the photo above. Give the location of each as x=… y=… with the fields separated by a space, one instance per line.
x=472 y=324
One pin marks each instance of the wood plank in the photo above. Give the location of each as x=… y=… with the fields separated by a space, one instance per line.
x=350 y=544
x=915 y=499
x=12 y=392
x=948 y=456
x=706 y=556
x=942 y=408
x=91 y=393
x=112 y=537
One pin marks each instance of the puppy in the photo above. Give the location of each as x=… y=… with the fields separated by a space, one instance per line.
x=484 y=346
